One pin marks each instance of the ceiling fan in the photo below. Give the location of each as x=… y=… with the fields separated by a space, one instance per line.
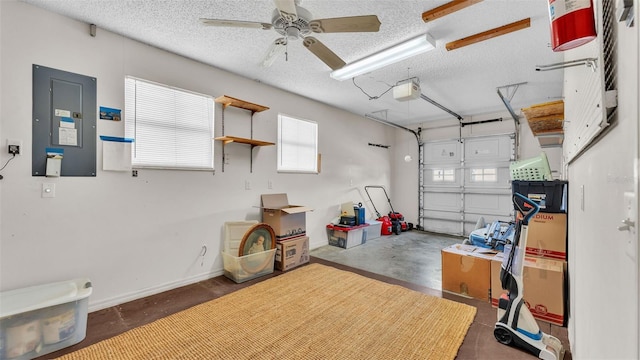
x=295 y=22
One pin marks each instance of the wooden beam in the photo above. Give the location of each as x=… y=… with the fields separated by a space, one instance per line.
x=447 y=9
x=518 y=25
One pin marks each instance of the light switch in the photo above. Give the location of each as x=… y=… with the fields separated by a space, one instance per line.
x=48 y=190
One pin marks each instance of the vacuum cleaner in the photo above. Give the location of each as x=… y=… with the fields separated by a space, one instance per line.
x=516 y=326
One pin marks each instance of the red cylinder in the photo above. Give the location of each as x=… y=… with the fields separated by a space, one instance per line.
x=572 y=23
x=386 y=225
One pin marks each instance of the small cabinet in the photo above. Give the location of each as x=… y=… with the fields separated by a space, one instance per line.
x=227 y=139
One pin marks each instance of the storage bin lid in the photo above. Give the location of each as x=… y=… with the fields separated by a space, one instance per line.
x=26 y=299
x=233 y=233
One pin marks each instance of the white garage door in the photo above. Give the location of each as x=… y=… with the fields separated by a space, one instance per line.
x=465 y=180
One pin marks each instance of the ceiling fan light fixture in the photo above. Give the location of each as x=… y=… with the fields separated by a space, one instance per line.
x=292 y=32
x=391 y=55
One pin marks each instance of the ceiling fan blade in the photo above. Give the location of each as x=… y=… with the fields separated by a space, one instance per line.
x=235 y=23
x=323 y=53
x=277 y=48
x=287 y=9
x=365 y=23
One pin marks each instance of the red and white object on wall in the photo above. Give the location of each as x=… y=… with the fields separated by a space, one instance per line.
x=572 y=23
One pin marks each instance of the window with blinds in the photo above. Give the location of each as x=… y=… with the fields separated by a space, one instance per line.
x=297 y=145
x=172 y=128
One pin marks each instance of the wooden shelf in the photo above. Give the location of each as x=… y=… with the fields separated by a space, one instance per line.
x=231 y=101
x=229 y=139
x=226 y=101
x=546 y=117
x=546 y=122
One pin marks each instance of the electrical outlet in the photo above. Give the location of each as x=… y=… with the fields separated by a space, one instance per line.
x=13 y=146
x=247 y=185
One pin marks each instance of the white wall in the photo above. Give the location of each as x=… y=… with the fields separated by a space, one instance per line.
x=137 y=236
x=603 y=271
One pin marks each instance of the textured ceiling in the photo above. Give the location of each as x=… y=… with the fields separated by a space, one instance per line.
x=464 y=80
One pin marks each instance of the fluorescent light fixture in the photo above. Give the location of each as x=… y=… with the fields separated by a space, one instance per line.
x=405 y=50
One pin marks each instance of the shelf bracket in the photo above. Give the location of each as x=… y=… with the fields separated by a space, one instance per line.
x=589 y=62
x=506 y=99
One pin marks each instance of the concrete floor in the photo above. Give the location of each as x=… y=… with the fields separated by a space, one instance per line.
x=412 y=256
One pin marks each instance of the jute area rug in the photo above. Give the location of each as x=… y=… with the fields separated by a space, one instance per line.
x=313 y=312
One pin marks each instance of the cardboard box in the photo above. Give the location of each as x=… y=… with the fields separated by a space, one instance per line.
x=292 y=252
x=543 y=287
x=285 y=219
x=466 y=270
x=347 y=237
x=547 y=236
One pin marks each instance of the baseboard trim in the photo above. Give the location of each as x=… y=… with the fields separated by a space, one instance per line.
x=135 y=295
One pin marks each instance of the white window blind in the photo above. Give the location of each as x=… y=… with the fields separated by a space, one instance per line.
x=172 y=128
x=297 y=145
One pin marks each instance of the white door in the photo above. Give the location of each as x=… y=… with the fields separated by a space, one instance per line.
x=464 y=180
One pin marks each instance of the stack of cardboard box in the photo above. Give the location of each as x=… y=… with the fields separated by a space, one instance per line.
x=475 y=272
x=289 y=224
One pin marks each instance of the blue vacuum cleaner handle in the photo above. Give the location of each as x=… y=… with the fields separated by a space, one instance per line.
x=526 y=215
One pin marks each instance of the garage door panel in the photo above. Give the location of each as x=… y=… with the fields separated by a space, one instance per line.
x=446 y=175
x=442 y=152
x=487 y=204
x=443 y=227
x=495 y=175
x=443 y=215
x=443 y=201
x=498 y=148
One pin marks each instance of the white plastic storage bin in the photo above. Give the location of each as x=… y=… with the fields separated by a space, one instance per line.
x=375 y=229
x=243 y=268
x=38 y=320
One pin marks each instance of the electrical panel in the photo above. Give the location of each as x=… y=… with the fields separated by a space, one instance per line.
x=64 y=123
